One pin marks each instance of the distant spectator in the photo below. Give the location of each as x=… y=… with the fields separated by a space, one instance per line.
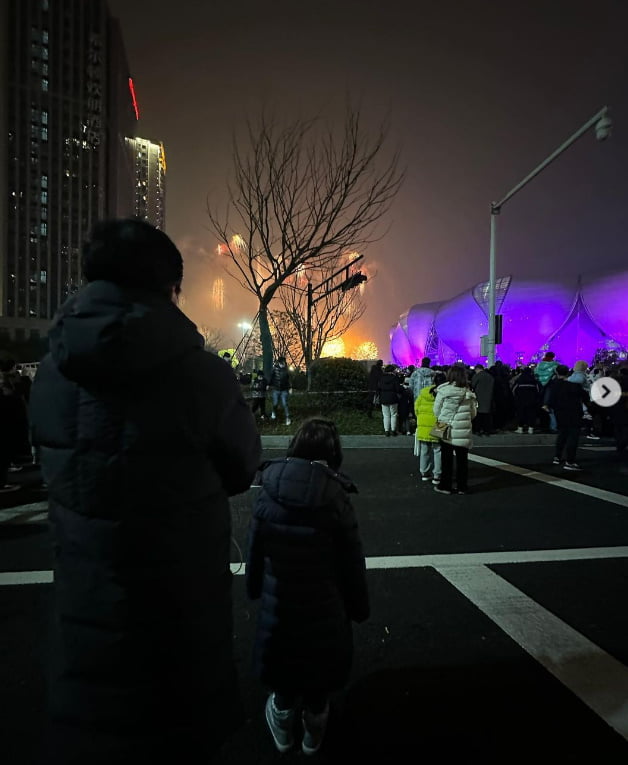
x=546 y=368
x=258 y=393
x=421 y=377
x=375 y=373
x=619 y=417
x=591 y=414
x=389 y=389
x=544 y=372
x=503 y=401
x=526 y=392
x=566 y=399
x=483 y=385
x=281 y=388
x=455 y=405
x=405 y=409
x=10 y=405
x=426 y=447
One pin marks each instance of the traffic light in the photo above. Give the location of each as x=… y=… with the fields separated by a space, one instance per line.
x=498 y=328
x=353 y=281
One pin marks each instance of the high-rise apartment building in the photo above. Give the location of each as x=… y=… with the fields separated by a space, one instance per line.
x=66 y=106
x=149 y=174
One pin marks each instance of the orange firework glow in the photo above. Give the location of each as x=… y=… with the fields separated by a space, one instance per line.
x=334 y=348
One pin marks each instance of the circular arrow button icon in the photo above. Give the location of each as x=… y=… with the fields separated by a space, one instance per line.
x=605 y=391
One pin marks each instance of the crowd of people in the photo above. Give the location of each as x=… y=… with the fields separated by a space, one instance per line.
x=545 y=397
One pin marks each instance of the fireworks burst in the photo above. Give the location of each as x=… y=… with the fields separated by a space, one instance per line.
x=334 y=348
x=366 y=350
x=218 y=294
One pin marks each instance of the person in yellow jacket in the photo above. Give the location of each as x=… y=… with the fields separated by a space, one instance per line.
x=426 y=447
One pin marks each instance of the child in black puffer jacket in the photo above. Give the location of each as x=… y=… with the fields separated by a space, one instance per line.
x=305 y=561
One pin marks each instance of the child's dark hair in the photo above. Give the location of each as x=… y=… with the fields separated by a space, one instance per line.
x=438 y=379
x=317 y=439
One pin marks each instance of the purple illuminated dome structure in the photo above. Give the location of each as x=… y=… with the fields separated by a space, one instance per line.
x=575 y=317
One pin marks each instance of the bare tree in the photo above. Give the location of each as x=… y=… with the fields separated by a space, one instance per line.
x=214 y=338
x=300 y=197
x=286 y=337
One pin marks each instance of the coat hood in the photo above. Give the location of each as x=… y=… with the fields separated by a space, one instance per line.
x=301 y=483
x=108 y=333
x=449 y=390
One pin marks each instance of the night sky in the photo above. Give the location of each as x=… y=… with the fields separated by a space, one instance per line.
x=478 y=93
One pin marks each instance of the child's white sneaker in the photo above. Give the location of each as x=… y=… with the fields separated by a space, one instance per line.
x=314 y=730
x=280 y=723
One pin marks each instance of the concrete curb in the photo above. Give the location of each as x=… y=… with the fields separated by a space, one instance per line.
x=407 y=442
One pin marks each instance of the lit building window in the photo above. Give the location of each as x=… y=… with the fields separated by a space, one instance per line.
x=43 y=229
x=44 y=36
x=43 y=277
x=44 y=54
x=44 y=84
x=44 y=181
x=44 y=134
x=44 y=197
x=44 y=118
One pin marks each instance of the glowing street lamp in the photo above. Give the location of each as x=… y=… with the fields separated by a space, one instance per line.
x=602 y=124
x=245 y=327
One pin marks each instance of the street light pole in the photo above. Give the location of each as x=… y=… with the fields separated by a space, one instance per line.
x=308 y=339
x=603 y=124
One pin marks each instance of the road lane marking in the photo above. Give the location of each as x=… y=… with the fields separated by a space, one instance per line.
x=591 y=674
x=22 y=513
x=496 y=558
x=453 y=560
x=8 y=578
x=553 y=480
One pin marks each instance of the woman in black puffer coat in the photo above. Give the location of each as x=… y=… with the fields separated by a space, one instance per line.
x=389 y=388
x=143 y=438
x=305 y=561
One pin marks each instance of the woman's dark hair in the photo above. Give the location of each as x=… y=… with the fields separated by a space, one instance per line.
x=457 y=375
x=132 y=253
x=317 y=439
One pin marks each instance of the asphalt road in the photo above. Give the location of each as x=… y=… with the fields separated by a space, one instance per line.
x=499 y=629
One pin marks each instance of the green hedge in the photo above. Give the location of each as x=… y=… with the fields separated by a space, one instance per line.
x=338 y=375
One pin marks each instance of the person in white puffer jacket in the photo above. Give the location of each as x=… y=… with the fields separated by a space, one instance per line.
x=456 y=405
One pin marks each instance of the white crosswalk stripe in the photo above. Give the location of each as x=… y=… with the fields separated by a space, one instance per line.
x=35 y=512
